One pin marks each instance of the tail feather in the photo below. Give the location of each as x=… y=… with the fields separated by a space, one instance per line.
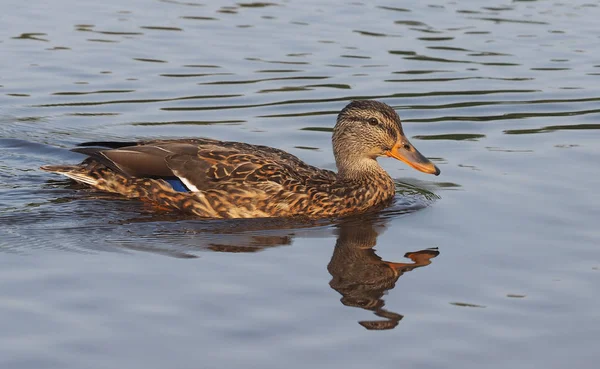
x=74 y=172
x=58 y=168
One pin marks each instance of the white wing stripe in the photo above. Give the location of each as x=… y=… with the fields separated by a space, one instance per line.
x=187 y=184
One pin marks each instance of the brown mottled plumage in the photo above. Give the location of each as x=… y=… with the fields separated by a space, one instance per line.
x=239 y=180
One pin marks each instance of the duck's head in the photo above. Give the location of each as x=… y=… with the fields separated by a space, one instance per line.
x=367 y=129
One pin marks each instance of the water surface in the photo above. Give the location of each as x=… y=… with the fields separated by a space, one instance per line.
x=494 y=263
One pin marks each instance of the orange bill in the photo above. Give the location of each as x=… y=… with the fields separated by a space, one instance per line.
x=406 y=152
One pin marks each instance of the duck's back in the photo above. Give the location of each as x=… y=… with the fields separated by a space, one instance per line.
x=208 y=164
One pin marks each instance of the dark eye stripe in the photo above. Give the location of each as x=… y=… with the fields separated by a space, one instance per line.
x=391 y=131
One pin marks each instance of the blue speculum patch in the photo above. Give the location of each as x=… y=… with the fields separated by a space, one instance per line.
x=177 y=184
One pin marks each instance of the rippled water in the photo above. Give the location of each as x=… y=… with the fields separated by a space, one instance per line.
x=493 y=264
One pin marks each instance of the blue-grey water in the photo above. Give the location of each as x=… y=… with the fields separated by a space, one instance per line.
x=498 y=257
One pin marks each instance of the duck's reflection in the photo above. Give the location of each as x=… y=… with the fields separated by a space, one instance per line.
x=358 y=273
x=362 y=277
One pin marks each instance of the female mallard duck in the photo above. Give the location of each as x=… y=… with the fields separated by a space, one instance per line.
x=218 y=179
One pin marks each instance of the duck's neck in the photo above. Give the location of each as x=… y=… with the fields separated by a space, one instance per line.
x=366 y=172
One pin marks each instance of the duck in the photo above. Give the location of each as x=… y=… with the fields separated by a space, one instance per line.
x=216 y=179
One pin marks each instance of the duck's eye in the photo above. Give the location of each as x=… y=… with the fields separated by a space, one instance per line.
x=373 y=121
